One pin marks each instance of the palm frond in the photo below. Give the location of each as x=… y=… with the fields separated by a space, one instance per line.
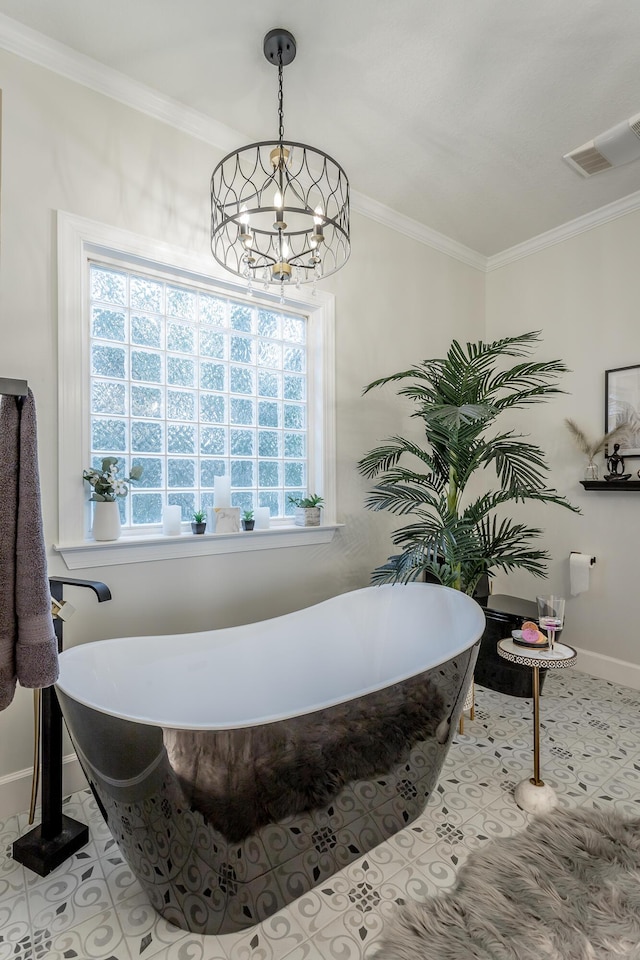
x=387 y=456
x=420 y=373
x=400 y=498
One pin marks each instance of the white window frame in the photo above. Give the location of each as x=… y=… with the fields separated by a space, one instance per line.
x=80 y=240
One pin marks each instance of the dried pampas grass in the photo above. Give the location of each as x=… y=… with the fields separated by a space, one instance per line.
x=593 y=447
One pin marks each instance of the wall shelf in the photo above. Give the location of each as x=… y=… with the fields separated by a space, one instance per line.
x=611 y=484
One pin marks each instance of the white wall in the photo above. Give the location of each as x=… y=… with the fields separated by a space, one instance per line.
x=65 y=147
x=582 y=294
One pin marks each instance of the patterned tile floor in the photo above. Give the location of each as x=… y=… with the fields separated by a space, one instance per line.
x=93 y=908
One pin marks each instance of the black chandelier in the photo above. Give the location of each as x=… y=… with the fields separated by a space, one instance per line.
x=280 y=209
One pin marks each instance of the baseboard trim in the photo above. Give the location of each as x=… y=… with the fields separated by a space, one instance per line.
x=15 y=788
x=609 y=668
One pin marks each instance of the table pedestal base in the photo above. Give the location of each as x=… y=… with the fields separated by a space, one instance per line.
x=535 y=797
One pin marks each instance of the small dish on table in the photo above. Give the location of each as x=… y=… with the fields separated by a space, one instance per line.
x=530 y=636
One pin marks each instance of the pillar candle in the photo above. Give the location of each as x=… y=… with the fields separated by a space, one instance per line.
x=171 y=519
x=262 y=518
x=222 y=492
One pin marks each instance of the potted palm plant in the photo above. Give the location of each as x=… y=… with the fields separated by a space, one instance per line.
x=456 y=537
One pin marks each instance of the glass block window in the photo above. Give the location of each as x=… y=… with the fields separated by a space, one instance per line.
x=191 y=384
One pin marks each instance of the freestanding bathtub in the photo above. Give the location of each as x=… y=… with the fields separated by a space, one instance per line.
x=238 y=768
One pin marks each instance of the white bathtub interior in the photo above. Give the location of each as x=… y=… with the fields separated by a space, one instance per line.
x=257 y=673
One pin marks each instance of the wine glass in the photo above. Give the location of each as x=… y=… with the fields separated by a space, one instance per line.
x=551 y=616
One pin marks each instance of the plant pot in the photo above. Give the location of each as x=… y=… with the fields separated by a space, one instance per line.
x=106 y=520
x=198 y=527
x=248 y=524
x=307 y=517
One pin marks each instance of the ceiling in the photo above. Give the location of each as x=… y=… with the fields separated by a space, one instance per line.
x=455 y=113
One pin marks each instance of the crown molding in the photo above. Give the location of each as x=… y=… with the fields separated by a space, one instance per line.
x=417 y=231
x=62 y=59
x=611 y=211
x=58 y=57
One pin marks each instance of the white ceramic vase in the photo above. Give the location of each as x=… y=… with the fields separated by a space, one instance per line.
x=106 y=520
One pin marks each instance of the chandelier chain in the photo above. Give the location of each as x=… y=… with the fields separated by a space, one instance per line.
x=280 y=98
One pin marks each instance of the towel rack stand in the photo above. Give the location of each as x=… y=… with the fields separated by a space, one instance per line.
x=57 y=837
x=13 y=388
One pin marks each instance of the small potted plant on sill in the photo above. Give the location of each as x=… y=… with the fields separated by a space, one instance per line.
x=307 y=510
x=247 y=520
x=199 y=522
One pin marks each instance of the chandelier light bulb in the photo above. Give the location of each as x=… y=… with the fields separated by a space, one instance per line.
x=244 y=233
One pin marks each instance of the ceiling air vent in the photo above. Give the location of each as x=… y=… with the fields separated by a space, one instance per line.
x=588 y=160
x=613 y=148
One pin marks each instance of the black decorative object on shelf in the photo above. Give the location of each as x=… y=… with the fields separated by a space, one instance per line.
x=615 y=466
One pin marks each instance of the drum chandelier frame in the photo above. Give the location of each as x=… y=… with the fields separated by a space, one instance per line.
x=280 y=209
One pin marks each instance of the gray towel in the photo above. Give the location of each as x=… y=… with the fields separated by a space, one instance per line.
x=28 y=645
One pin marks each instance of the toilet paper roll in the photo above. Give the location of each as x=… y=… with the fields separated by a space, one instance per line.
x=579 y=570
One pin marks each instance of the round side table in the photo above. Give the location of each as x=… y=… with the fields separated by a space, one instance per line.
x=533 y=794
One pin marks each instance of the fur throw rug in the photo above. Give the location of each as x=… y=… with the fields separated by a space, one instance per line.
x=566 y=888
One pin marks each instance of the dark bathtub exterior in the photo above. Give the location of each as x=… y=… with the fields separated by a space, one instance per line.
x=224 y=828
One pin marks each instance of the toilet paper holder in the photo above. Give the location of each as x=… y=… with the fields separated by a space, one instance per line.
x=591 y=559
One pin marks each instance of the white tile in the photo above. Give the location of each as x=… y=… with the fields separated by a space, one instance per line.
x=348 y=937
x=319 y=907
x=12 y=874
x=146 y=933
x=15 y=925
x=65 y=900
x=121 y=880
x=96 y=938
x=273 y=939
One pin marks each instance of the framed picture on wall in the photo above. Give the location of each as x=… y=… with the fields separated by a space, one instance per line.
x=622 y=405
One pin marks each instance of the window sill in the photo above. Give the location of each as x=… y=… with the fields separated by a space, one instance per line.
x=133 y=549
